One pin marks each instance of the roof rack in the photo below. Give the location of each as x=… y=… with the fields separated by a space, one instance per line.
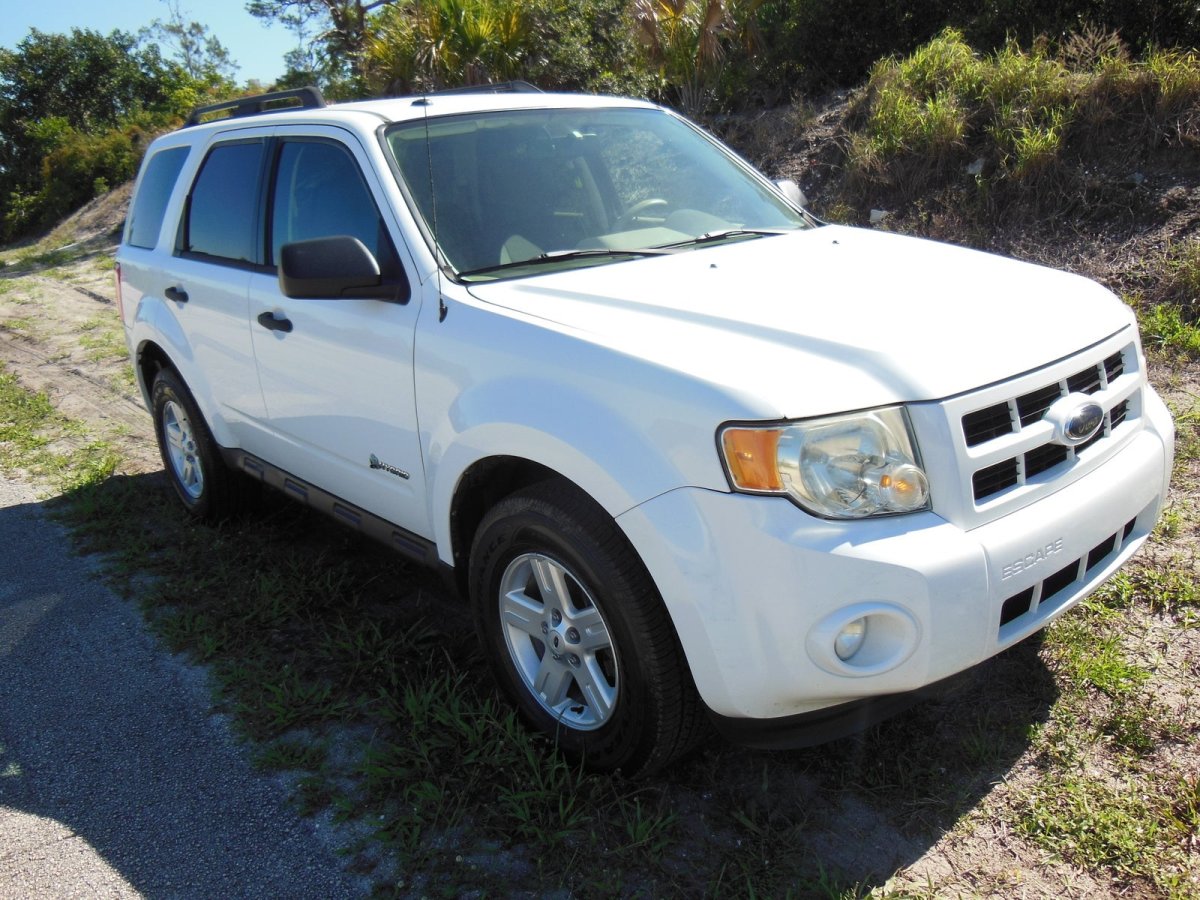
x=276 y=101
x=501 y=87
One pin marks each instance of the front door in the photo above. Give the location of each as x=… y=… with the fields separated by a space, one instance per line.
x=336 y=374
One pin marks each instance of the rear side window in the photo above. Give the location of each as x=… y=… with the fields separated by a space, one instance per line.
x=222 y=212
x=146 y=217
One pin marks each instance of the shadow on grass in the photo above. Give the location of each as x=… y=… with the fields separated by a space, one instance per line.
x=359 y=672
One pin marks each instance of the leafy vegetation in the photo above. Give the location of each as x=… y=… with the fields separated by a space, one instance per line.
x=1010 y=119
x=687 y=41
x=77 y=111
x=439 y=44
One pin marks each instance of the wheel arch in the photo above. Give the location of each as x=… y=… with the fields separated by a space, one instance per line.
x=150 y=360
x=156 y=352
x=481 y=486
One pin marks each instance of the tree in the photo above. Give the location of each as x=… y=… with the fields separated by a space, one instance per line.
x=687 y=41
x=341 y=28
x=74 y=114
x=443 y=43
x=202 y=56
x=84 y=77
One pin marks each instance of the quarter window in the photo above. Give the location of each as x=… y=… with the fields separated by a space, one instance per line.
x=154 y=192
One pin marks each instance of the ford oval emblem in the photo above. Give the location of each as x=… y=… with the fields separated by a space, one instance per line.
x=1084 y=422
x=1076 y=419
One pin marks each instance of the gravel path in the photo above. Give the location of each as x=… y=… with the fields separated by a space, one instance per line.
x=115 y=780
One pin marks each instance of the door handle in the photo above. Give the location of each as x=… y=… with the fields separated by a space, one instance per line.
x=268 y=320
x=178 y=294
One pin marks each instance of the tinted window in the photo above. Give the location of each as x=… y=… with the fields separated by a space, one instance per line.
x=221 y=216
x=145 y=219
x=319 y=192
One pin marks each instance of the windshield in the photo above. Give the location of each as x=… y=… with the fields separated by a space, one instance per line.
x=513 y=193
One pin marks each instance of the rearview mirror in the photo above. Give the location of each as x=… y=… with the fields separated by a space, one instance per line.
x=791 y=191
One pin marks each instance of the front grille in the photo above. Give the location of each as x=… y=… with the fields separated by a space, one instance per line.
x=984 y=424
x=1044 y=458
x=1030 y=600
x=1118 y=413
x=1114 y=367
x=994 y=479
x=1010 y=417
x=1033 y=406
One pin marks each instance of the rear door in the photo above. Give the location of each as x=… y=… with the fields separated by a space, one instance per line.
x=207 y=279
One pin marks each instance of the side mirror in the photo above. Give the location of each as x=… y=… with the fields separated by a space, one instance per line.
x=328 y=267
x=791 y=191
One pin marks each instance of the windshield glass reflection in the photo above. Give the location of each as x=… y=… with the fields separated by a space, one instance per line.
x=512 y=193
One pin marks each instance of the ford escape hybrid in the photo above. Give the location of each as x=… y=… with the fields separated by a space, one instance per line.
x=692 y=455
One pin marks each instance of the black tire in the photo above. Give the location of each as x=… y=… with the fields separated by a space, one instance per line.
x=618 y=693
x=206 y=486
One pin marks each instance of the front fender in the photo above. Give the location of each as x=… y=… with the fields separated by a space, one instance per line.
x=597 y=449
x=492 y=382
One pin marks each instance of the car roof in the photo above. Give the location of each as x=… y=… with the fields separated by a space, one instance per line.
x=372 y=113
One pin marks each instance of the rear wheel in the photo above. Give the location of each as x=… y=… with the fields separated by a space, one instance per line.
x=577 y=634
x=191 y=457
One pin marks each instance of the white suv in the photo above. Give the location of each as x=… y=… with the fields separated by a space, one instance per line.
x=693 y=455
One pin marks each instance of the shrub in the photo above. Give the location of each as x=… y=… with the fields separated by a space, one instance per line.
x=1018 y=113
x=80 y=167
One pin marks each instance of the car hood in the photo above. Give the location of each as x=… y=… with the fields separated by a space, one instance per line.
x=827 y=319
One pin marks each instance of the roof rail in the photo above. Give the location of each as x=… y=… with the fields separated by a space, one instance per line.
x=500 y=87
x=276 y=101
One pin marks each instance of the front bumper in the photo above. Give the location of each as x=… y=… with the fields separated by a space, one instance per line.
x=757 y=588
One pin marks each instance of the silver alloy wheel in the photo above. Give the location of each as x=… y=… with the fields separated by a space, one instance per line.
x=181 y=448
x=558 y=641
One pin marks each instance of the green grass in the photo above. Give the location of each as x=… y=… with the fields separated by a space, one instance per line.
x=1170 y=589
x=33 y=436
x=1167 y=329
x=1136 y=832
x=22 y=326
x=37 y=259
x=103 y=338
x=1181 y=273
x=1105 y=800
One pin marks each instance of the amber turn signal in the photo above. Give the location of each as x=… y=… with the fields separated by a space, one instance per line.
x=752 y=456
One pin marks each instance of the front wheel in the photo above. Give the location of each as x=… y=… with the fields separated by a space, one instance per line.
x=577 y=634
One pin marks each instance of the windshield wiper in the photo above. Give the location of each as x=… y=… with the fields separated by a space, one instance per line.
x=554 y=256
x=712 y=236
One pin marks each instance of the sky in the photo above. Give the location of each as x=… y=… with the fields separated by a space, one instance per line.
x=257 y=49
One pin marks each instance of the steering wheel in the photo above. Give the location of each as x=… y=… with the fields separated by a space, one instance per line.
x=626 y=219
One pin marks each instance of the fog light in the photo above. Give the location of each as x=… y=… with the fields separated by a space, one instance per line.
x=850 y=639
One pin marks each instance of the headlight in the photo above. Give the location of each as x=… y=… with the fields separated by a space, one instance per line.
x=841 y=467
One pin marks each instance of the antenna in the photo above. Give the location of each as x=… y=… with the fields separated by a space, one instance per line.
x=437 y=247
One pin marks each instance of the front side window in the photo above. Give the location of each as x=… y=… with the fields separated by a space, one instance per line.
x=506 y=194
x=320 y=192
x=222 y=216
